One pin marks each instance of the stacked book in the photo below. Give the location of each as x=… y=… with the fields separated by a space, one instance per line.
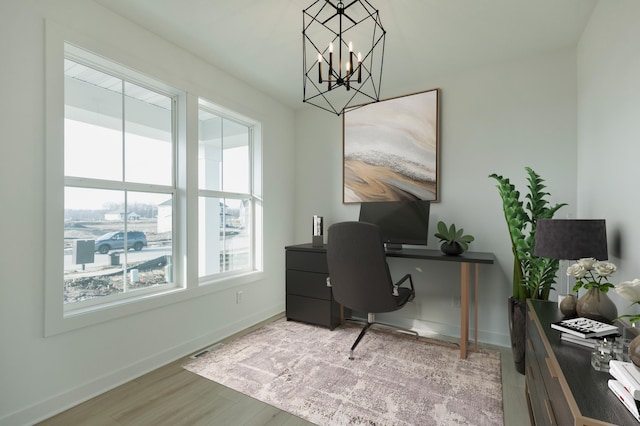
x=626 y=385
x=584 y=331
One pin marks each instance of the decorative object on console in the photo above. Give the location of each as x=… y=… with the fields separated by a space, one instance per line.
x=597 y=305
x=570 y=239
x=391 y=150
x=629 y=376
x=592 y=275
x=454 y=241
x=625 y=397
x=335 y=76
x=585 y=327
x=605 y=351
x=568 y=306
x=317 y=239
x=533 y=276
x=630 y=290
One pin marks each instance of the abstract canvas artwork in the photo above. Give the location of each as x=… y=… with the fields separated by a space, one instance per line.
x=391 y=149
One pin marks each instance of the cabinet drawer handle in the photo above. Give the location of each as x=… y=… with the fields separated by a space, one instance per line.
x=533 y=377
x=552 y=370
x=552 y=418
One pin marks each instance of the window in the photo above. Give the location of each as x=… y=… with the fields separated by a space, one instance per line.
x=119 y=183
x=225 y=195
x=145 y=204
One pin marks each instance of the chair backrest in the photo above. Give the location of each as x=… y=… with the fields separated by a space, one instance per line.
x=358 y=269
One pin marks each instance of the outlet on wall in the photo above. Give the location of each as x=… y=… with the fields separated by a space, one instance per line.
x=239 y=297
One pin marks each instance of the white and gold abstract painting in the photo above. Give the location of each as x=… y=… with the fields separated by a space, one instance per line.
x=391 y=149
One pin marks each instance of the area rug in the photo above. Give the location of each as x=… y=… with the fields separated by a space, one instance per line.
x=394 y=380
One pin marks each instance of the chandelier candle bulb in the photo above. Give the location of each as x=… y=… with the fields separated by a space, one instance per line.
x=348 y=76
x=330 y=63
x=350 y=59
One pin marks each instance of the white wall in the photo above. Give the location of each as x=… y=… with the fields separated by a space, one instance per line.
x=494 y=119
x=609 y=131
x=40 y=376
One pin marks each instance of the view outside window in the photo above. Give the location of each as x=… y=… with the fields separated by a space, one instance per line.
x=225 y=214
x=119 y=186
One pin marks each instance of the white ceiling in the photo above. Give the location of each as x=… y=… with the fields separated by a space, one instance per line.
x=260 y=41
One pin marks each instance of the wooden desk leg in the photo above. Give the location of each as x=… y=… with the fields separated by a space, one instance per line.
x=464 y=308
x=475 y=301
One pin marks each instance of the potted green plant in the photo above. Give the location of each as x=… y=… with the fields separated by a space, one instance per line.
x=453 y=240
x=533 y=277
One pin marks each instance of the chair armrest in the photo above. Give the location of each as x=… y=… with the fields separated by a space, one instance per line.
x=402 y=280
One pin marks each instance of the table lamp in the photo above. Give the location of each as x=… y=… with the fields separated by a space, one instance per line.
x=571 y=239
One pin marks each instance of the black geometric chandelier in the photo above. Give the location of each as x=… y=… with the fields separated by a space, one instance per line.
x=343 y=54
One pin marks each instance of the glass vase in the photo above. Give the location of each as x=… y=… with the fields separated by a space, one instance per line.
x=597 y=306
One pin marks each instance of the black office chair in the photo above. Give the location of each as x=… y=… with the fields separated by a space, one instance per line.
x=359 y=275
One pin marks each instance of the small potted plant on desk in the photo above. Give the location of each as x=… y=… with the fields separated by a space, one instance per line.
x=453 y=240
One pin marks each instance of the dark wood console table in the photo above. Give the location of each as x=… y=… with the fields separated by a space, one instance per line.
x=561 y=386
x=309 y=300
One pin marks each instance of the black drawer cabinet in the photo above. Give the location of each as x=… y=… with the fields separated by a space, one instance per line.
x=308 y=297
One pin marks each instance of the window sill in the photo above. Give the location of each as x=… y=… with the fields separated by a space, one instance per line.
x=73 y=319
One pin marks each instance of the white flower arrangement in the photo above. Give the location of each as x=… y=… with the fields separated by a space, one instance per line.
x=630 y=290
x=591 y=273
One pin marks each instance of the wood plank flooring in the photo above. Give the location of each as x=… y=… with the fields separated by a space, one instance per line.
x=173 y=396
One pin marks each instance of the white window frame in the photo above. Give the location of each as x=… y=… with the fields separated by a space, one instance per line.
x=56 y=318
x=255 y=264
x=92 y=61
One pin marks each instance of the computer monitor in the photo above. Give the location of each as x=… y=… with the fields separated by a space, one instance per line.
x=400 y=222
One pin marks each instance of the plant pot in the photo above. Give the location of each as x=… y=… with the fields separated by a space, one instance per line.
x=517 y=331
x=597 y=305
x=451 y=249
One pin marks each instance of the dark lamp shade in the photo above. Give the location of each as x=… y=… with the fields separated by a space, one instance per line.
x=571 y=239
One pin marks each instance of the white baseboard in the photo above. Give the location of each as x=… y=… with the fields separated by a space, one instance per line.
x=434 y=329
x=72 y=397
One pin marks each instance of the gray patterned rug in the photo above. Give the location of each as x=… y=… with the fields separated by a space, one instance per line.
x=394 y=380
